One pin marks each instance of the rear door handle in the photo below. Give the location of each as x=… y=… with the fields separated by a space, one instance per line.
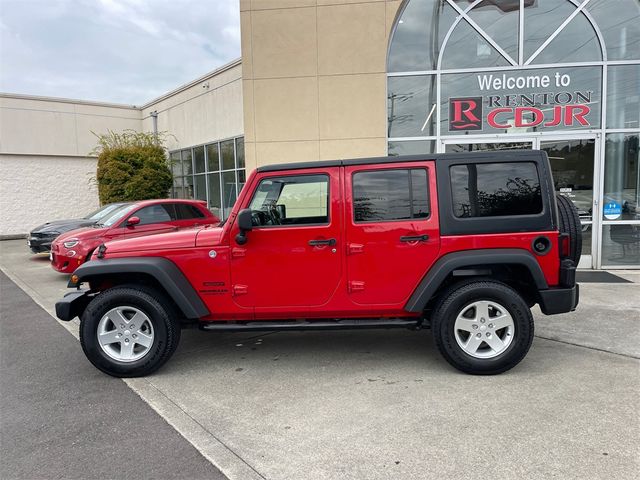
x=317 y=243
x=414 y=238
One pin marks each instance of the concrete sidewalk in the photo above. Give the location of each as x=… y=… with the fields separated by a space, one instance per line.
x=383 y=404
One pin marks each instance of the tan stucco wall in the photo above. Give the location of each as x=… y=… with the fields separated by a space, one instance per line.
x=47 y=126
x=205 y=110
x=314 y=78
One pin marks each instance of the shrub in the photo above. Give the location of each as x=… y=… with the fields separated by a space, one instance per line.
x=132 y=166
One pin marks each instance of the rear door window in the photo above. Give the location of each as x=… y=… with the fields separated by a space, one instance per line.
x=185 y=211
x=156 y=214
x=495 y=189
x=388 y=195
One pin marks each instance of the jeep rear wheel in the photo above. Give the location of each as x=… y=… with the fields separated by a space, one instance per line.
x=128 y=331
x=482 y=327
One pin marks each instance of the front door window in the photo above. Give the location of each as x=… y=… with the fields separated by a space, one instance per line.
x=295 y=240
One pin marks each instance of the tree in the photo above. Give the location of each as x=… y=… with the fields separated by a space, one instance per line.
x=132 y=166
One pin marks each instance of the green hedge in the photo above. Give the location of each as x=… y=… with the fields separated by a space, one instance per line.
x=132 y=166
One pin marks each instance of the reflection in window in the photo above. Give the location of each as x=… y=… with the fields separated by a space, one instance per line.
x=623 y=96
x=495 y=189
x=486 y=147
x=619 y=22
x=500 y=21
x=412 y=147
x=219 y=174
x=419 y=34
x=214 y=194
x=213 y=157
x=291 y=200
x=621 y=177
x=226 y=152
x=411 y=106
x=229 y=191
x=201 y=187
x=572 y=168
x=387 y=195
x=467 y=47
x=541 y=19
x=187 y=166
x=198 y=156
x=576 y=42
x=620 y=245
x=155 y=214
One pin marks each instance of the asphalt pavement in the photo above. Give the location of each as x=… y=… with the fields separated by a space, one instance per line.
x=61 y=418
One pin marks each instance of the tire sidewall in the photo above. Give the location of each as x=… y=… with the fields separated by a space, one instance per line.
x=119 y=297
x=458 y=299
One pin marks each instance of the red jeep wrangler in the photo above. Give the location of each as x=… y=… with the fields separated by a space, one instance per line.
x=463 y=244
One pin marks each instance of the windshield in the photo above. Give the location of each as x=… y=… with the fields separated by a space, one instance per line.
x=103 y=211
x=116 y=215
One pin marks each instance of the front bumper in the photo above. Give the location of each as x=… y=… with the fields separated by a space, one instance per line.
x=65 y=264
x=72 y=305
x=559 y=300
x=39 y=244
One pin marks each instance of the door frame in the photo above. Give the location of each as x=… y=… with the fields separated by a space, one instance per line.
x=594 y=260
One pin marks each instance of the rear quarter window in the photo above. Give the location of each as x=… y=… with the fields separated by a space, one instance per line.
x=186 y=211
x=495 y=189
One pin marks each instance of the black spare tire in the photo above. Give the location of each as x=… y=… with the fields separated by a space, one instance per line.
x=569 y=223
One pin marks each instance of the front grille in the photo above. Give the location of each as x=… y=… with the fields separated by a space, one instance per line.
x=40 y=235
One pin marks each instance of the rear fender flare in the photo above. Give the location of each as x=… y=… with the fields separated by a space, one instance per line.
x=164 y=271
x=476 y=258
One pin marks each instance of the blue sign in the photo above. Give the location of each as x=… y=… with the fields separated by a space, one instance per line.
x=612 y=210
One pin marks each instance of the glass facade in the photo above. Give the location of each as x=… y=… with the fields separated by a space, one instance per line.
x=561 y=76
x=214 y=172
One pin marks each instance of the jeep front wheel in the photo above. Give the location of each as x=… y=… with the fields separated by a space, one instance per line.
x=128 y=331
x=482 y=327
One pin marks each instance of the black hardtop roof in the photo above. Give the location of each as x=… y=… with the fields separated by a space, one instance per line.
x=501 y=155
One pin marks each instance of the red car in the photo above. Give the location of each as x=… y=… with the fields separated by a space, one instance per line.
x=464 y=244
x=147 y=217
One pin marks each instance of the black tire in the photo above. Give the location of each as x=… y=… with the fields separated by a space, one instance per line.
x=161 y=316
x=569 y=222
x=457 y=299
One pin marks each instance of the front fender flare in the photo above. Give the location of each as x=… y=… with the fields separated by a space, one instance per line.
x=452 y=261
x=164 y=271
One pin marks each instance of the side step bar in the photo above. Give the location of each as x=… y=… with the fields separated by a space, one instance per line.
x=310 y=325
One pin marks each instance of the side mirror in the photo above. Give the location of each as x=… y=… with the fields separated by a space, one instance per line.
x=133 y=221
x=245 y=225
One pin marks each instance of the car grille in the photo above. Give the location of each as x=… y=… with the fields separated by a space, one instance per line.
x=40 y=235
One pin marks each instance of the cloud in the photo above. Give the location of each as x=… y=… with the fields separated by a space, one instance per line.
x=124 y=51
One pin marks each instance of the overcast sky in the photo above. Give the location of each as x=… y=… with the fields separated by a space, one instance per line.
x=123 y=51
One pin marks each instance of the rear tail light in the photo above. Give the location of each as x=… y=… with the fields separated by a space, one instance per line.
x=565 y=249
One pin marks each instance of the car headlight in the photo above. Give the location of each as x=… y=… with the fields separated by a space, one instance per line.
x=70 y=243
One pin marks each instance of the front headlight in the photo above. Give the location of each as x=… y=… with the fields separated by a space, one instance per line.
x=70 y=243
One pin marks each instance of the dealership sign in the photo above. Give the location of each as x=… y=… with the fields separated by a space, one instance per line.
x=525 y=101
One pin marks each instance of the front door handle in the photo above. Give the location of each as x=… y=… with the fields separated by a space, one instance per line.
x=318 y=243
x=414 y=238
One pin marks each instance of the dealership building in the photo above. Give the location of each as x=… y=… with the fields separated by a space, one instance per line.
x=327 y=79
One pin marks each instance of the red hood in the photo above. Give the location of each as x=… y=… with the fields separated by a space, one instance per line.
x=210 y=236
x=163 y=241
x=86 y=233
